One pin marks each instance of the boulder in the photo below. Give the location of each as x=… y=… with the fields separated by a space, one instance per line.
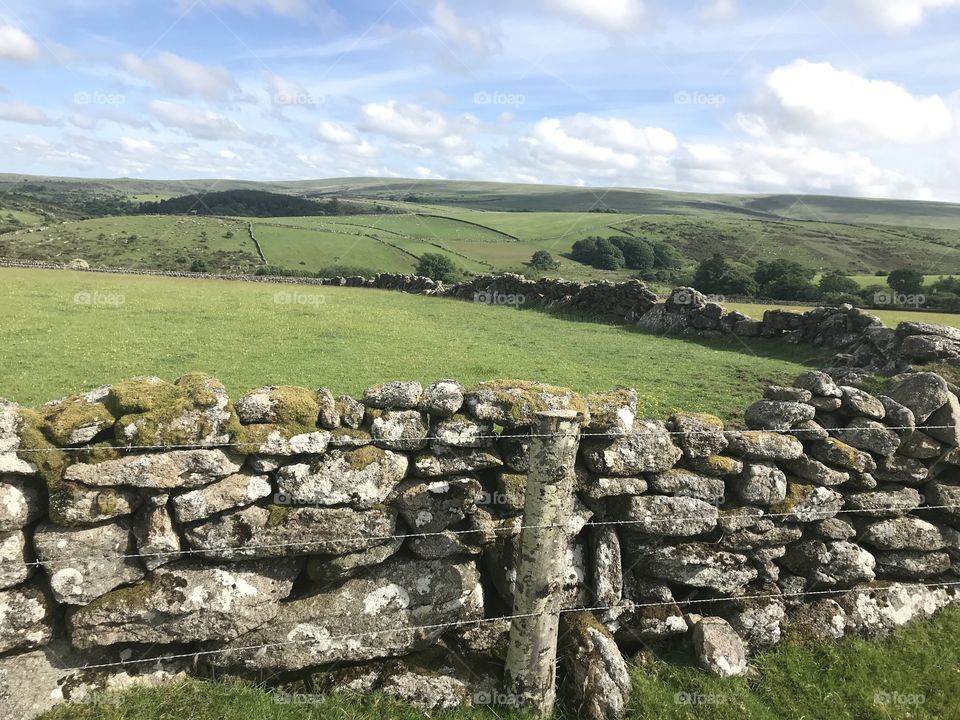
x=809 y=503
x=21 y=502
x=859 y=403
x=685 y=483
x=818 y=620
x=515 y=404
x=606 y=565
x=830 y=563
x=777 y=415
x=901 y=470
x=920 y=446
x=25 y=618
x=904 y=533
x=442 y=399
x=186 y=602
x=945 y=494
x=806 y=468
x=761 y=484
x=158 y=471
x=400 y=430
x=699 y=435
x=648 y=449
x=718 y=647
x=433 y=506
x=787 y=394
x=462 y=431
x=836 y=452
x=612 y=412
x=361 y=478
x=700 y=565
x=648 y=612
x=668 y=516
x=818 y=383
x=944 y=423
x=897 y=415
x=597 y=677
x=922 y=393
x=285 y=405
x=73 y=504
x=234 y=491
x=716 y=465
x=886 y=501
x=760 y=445
x=399 y=395
x=870 y=435
x=78 y=419
x=911 y=564
x=597 y=487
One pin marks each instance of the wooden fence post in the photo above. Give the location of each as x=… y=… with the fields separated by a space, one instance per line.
x=530 y=673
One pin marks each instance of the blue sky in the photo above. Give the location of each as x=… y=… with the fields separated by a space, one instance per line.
x=855 y=97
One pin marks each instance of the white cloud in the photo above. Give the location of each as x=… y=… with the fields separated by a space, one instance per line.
x=139 y=147
x=717 y=10
x=335 y=134
x=898 y=15
x=405 y=121
x=597 y=141
x=819 y=99
x=471 y=34
x=286 y=93
x=16 y=45
x=200 y=124
x=18 y=112
x=181 y=76
x=612 y=16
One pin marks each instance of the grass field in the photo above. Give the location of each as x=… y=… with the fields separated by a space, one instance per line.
x=346 y=339
x=911 y=674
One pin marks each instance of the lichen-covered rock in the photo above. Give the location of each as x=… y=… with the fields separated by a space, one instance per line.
x=760 y=445
x=10 y=427
x=876 y=611
x=825 y=404
x=515 y=451
x=816 y=621
x=835 y=452
x=859 y=403
x=597 y=487
x=810 y=503
x=186 y=602
x=685 y=483
x=160 y=471
x=897 y=415
x=716 y=465
x=758 y=622
x=921 y=446
x=718 y=647
x=597 y=677
x=818 y=383
x=668 y=516
x=334 y=568
x=282 y=442
x=761 y=483
x=911 y=564
x=700 y=435
x=278 y=531
x=157 y=539
x=945 y=494
x=922 y=393
x=285 y=405
x=700 y=565
x=15 y=559
x=74 y=504
x=350 y=411
x=84 y=563
x=20 y=502
x=830 y=563
x=904 y=533
x=806 y=468
x=865 y=434
x=787 y=394
x=612 y=412
x=401 y=430
x=515 y=403
x=399 y=395
x=433 y=506
x=886 y=501
x=777 y=415
x=648 y=449
x=361 y=478
x=393 y=609
x=835 y=528
x=454 y=461
x=443 y=398
x=25 y=618
x=77 y=419
x=648 y=611
x=606 y=565
x=901 y=470
x=944 y=423
x=234 y=491
x=462 y=431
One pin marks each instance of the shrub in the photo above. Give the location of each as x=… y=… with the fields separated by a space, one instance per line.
x=906 y=281
x=438 y=267
x=543 y=260
x=717 y=275
x=838 y=282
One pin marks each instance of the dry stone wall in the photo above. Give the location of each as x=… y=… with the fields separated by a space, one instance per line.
x=294 y=529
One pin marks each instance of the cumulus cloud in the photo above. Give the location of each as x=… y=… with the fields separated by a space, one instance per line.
x=612 y=16
x=181 y=76
x=405 y=121
x=463 y=33
x=819 y=99
x=18 y=112
x=286 y=93
x=597 y=141
x=16 y=45
x=200 y=124
x=899 y=15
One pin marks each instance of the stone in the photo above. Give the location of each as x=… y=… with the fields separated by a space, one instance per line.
x=787 y=394
x=760 y=445
x=399 y=395
x=454 y=461
x=886 y=501
x=869 y=435
x=328 y=416
x=25 y=618
x=825 y=404
x=442 y=399
x=20 y=502
x=945 y=494
x=734 y=519
x=718 y=647
x=186 y=602
x=818 y=383
x=648 y=611
x=78 y=419
x=515 y=451
x=904 y=533
x=761 y=484
x=830 y=563
x=279 y=443
x=859 y=403
x=15 y=559
x=234 y=491
x=350 y=411
x=158 y=471
x=668 y=516
x=809 y=503
x=649 y=449
x=462 y=431
x=393 y=609
x=700 y=565
x=430 y=507
x=157 y=539
x=515 y=404
x=760 y=537
x=818 y=620
x=597 y=487
x=834 y=528
x=911 y=564
x=716 y=465
x=877 y=610
x=73 y=504
x=901 y=470
x=806 y=468
x=279 y=531
x=685 y=483
x=284 y=405
x=445 y=544
x=776 y=415
x=897 y=415
x=700 y=435
x=361 y=478
x=84 y=563
x=920 y=446
x=758 y=622
x=809 y=430
x=334 y=568
x=922 y=393
x=612 y=413
x=606 y=565
x=836 y=452
x=400 y=430
x=510 y=493
x=944 y=423
x=597 y=677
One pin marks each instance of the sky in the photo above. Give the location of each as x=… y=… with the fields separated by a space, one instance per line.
x=844 y=97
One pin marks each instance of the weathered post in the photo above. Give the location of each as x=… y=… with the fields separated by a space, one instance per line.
x=530 y=674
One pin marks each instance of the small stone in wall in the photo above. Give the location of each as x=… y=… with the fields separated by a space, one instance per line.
x=172 y=469
x=831 y=563
x=234 y=491
x=700 y=435
x=818 y=383
x=20 y=502
x=285 y=405
x=718 y=647
x=350 y=411
x=886 y=501
x=865 y=434
x=333 y=568
x=462 y=431
x=836 y=452
x=443 y=398
x=362 y=478
x=761 y=484
x=15 y=559
x=399 y=395
x=905 y=533
x=157 y=539
x=911 y=564
x=433 y=506
x=648 y=449
x=700 y=565
x=668 y=516
x=402 y=430
x=760 y=445
x=612 y=412
x=515 y=404
x=26 y=613
x=923 y=393
x=454 y=461
x=860 y=403
x=777 y=415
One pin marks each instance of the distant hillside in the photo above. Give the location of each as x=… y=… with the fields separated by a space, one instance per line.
x=243 y=203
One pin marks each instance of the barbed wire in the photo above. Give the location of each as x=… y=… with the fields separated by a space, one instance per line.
x=626 y=606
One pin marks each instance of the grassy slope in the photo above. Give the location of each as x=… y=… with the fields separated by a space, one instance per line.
x=919 y=666
x=355 y=338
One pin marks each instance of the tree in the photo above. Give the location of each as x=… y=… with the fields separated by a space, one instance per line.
x=608 y=256
x=585 y=250
x=637 y=254
x=906 y=281
x=947 y=284
x=438 y=267
x=785 y=280
x=716 y=275
x=666 y=256
x=837 y=282
x=543 y=260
